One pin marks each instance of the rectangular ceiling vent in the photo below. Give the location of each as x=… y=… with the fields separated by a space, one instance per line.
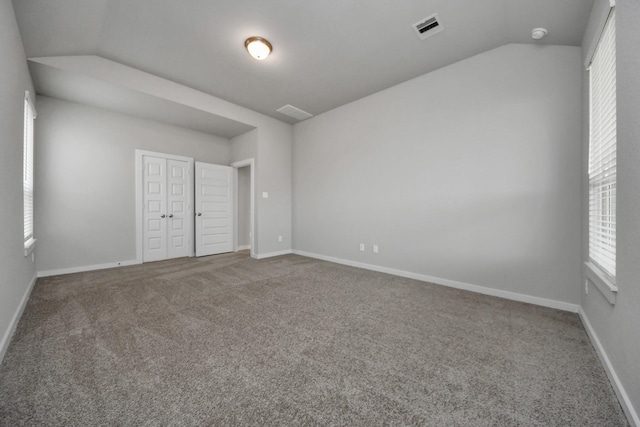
x=428 y=26
x=295 y=112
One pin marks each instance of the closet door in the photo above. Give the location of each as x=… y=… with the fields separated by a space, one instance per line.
x=167 y=210
x=155 y=208
x=178 y=239
x=214 y=207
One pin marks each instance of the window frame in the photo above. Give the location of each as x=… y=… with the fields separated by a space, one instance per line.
x=602 y=178
x=27 y=174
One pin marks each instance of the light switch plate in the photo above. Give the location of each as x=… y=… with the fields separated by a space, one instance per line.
x=265 y=195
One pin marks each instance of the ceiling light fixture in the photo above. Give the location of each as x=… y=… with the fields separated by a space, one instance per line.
x=538 y=33
x=258 y=47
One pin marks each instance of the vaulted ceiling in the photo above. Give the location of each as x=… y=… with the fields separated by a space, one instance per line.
x=326 y=53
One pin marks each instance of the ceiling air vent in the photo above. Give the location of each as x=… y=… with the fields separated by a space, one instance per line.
x=295 y=112
x=428 y=26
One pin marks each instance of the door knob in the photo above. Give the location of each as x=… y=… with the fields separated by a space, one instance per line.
x=170 y=215
x=162 y=216
x=199 y=213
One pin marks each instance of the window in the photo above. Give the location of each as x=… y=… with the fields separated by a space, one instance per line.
x=602 y=153
x=27 y=173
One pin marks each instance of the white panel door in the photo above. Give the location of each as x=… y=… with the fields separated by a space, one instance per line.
x=178 y=238
x=166 y=214
x=155 y=208
x=214 y=207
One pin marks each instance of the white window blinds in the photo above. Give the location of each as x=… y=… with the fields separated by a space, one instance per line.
x=602 y=152
x=27 y=168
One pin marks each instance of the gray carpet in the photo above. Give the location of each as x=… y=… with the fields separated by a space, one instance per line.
x=228 y=340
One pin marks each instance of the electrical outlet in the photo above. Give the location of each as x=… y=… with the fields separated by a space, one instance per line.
x=586 y=287
x=361 y=247
x=265 y=195
x=279 y=238
x=33 y=257
x=375 y=249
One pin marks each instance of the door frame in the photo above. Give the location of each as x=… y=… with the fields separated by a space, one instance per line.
x=236 y=165
x=139 y=154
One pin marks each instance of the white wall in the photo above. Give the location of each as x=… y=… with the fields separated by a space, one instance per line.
x=85 y=175
x=272 y=149
x=270 y=146
x=17 y=272
x=273 y=169
x=617 y=326
x=470 y=173
x=244 y=146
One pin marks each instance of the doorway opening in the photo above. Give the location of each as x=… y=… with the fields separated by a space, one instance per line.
x=244 y=206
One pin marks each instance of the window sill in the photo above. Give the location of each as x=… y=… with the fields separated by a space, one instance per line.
x=604 y=285
x=29 y=246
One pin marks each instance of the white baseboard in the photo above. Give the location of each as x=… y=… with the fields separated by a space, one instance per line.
x=623 y=397
x=272 y=254
x=243 y=248
x=6 y=339
x=70 y=270
x=559 y=305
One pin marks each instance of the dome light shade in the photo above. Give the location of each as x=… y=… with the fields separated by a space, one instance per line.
x=538 y=33
x=258 y=47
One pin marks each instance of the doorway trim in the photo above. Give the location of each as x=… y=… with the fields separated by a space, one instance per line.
x=139 y=154
x=236 y=165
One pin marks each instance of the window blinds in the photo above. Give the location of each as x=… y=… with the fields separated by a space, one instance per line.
x=602 y=152
x=27 y=168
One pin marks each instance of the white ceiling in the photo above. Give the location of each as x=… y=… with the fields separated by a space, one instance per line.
x=326 y=53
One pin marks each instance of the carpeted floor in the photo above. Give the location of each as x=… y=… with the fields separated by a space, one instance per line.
x=228 y=340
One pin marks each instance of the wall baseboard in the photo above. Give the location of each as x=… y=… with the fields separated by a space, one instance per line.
x=243 y=248
x=6 y=339
x=272 y=254
x=544 y=302
x=82 y=269
x=623 y=397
